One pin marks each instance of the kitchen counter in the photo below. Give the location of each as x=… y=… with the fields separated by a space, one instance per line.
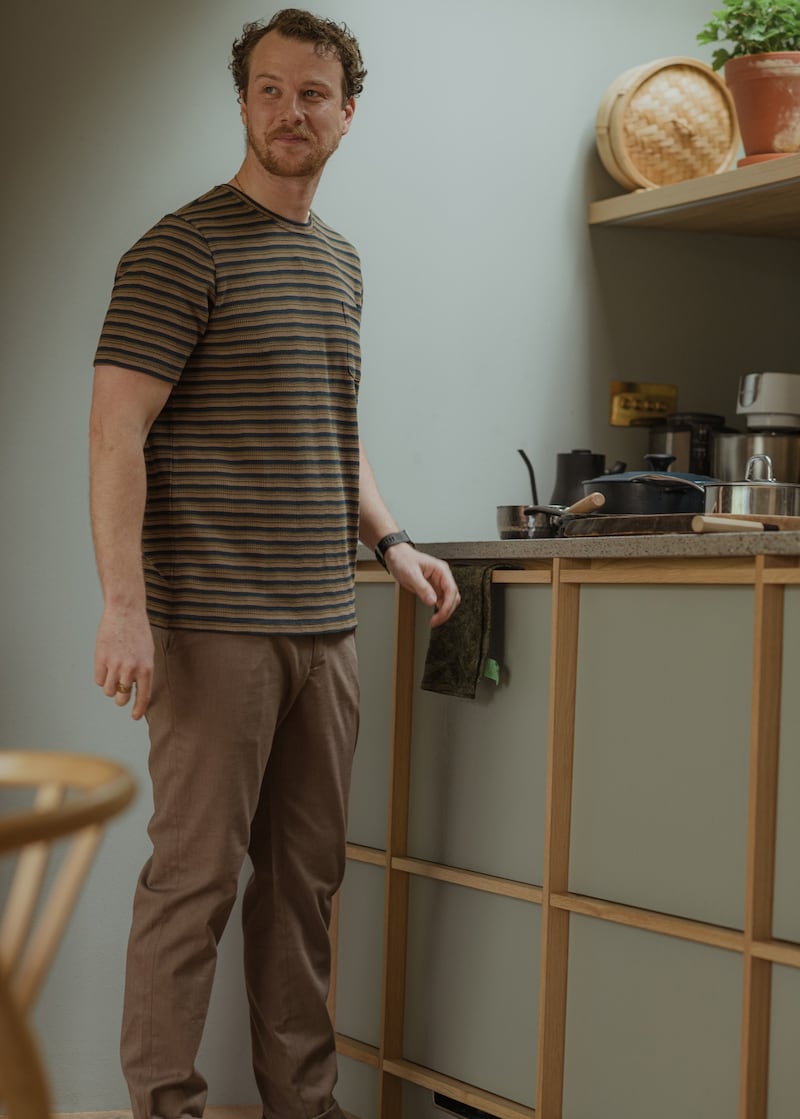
x=719 y=544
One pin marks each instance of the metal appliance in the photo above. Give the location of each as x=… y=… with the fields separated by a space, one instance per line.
x=770 y=401
x=730 y=454
x=687 y=437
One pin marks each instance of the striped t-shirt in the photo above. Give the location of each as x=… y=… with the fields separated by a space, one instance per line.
x=251 y=520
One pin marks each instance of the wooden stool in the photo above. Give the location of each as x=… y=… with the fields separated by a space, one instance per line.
x=74 y=796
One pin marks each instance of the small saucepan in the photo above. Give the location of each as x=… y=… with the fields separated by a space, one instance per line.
x=547 y=518
x=537 y=522
x=759 y=493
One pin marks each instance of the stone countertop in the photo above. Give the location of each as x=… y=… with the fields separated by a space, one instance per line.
x=679 y=545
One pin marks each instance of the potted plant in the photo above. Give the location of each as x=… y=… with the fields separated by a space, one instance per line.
x=762 y=69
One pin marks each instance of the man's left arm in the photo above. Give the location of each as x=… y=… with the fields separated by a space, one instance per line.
x=427 y=577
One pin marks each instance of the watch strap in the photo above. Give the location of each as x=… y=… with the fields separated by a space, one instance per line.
x=386 y=542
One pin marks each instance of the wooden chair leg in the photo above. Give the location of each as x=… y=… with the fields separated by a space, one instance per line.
x=23 y=1085
x=26 y=885
x=58 y=907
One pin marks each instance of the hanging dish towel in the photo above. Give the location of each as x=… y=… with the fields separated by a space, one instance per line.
x=468 y=645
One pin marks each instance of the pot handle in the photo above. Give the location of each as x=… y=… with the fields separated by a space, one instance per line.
x=586 y=504
x=671 y=481
x=750 y=470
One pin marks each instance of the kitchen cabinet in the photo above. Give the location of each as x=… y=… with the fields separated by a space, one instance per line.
x=761 y=200
x=577 y=895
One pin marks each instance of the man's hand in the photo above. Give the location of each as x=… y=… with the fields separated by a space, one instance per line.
x=124 y=659
x=430 y=579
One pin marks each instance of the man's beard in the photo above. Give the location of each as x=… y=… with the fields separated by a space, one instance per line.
x=286 y=164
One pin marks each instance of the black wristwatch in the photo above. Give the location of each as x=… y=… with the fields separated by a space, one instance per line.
x=383 y=546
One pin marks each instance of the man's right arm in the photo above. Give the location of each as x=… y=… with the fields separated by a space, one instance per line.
x=124 y=405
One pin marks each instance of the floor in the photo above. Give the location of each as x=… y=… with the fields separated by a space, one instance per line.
x=211 y=1113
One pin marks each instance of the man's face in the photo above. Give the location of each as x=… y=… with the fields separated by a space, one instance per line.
x=293 y=111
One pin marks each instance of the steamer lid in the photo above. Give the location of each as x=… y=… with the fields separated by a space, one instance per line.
x=666 y=121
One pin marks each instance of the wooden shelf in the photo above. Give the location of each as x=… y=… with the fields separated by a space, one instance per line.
x=761 y=200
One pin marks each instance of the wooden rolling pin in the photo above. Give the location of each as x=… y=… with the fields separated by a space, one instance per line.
x=778 y=520
x=708 y=522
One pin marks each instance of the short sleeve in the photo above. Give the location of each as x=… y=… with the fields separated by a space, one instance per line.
x=163 y=293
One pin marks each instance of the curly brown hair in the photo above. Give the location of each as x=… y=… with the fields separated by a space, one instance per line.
x=295 y=23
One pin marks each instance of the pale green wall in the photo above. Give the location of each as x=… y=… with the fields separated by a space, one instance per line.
x=493 y=321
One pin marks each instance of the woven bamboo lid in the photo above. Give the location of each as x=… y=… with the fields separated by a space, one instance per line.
x=666 y=121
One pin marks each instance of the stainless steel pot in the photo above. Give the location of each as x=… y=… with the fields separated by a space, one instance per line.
x=514 y=522
x=759 y=493
x=730 y=454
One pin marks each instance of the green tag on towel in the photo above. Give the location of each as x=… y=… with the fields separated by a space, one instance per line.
x=491 y=670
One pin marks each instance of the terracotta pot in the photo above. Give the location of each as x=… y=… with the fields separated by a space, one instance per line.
x=766 y=92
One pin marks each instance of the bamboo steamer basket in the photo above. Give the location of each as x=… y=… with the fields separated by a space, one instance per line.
x=666 y=121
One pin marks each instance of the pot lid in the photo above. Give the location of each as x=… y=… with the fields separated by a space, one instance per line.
x=651 y=476
x=661 y=476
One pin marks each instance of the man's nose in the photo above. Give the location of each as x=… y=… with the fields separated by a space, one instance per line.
x=292 y=107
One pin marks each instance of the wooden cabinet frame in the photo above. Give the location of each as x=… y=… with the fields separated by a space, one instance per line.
x=768 y=575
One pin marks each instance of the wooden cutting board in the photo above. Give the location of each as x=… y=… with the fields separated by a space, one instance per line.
x=629 y=524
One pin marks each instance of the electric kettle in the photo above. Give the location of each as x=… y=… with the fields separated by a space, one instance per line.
x=572 y=469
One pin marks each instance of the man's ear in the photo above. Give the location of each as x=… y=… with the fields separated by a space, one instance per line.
x=349 y=108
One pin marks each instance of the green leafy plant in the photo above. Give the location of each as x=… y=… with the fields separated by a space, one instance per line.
x=753 y=27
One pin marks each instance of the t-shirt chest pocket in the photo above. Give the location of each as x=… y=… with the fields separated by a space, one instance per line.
x=352 y=342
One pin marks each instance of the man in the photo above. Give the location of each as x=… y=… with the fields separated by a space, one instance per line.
x=228 y=491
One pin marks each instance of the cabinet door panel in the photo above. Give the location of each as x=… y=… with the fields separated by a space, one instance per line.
x=357 y=1089
x=360 y=953
x=472 y=987
x=786 y=923
x=375 y=645
x=784 y=1076
x=661 y=748
x=652 y=1026
x=478 y=766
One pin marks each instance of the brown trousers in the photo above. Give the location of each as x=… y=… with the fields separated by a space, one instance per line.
x=251 y=748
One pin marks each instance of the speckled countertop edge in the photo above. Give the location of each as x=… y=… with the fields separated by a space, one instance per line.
x=719 y=544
